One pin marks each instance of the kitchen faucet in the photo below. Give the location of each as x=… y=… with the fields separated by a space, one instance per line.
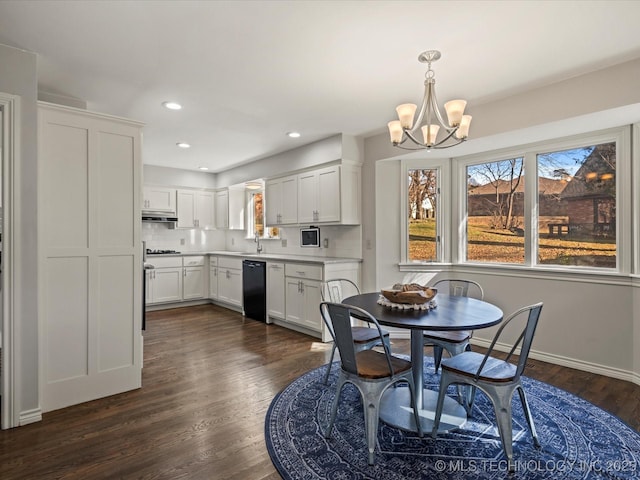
x=257 y=240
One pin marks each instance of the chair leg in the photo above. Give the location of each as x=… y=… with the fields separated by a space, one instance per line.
x=326 y=375
x=442 y=393
x=334 y=408
x=527 y=414
x=501 y=400
x=437 y=356
x=371 y=403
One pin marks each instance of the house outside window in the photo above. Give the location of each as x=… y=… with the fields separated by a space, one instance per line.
x=580 y=227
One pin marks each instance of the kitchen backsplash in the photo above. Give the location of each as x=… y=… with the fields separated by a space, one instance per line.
x=340 y=241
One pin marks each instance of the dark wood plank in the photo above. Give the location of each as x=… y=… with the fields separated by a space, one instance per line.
x=208 y=379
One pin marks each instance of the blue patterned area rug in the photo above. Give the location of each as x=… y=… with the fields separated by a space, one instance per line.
x=579 y=440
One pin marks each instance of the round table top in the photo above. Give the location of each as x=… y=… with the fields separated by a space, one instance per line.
x=451 y=313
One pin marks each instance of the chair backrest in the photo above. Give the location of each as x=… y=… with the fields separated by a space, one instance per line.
x=529 y=316
x=337 y=289
x=337 y=317
x=460 y=288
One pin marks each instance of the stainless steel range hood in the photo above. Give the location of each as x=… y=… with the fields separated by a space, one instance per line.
x=160 y=217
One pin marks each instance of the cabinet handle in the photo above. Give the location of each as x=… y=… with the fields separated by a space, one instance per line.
x=301 y=273
x=184 y=272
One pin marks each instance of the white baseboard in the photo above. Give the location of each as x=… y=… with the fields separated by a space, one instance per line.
x=30 y=416
x=563 y=361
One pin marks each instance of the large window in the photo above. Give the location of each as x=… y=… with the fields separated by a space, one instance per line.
x=495 y=211
x=422 y=208
x=577 y=206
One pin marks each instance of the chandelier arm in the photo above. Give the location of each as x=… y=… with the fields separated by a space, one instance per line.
x=449 y=135
x=411 y=137
x=423 y=108
x=434 y=107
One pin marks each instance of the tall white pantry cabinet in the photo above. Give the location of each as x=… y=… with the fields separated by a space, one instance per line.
x=90 y=255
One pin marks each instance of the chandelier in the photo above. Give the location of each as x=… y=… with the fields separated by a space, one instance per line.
x=429 y=119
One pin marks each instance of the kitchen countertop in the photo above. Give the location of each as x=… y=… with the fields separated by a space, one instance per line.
x=264 y=256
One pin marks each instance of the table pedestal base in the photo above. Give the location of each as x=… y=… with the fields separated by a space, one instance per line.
x=395 y=410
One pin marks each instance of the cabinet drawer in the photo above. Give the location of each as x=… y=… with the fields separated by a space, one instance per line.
x=164 y=262
x=193 y=261
x=213 y=261
x=229 y=262
x=313 y=272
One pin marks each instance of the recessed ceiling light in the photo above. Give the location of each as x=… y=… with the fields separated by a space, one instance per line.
x=172 y=105
x=293 y=134
x=203 y=168
x=183 y=145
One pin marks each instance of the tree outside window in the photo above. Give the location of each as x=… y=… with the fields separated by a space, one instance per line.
x=422 y=206
x=495 y=212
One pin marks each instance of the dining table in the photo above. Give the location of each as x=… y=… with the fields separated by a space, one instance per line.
x=447 y=313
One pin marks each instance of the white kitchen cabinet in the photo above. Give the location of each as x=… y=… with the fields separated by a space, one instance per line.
x=303 y=287
x=319 y=195
x=237 y=207
x=281 y=201
x=230 y=280
x=213 y=278
x=174 y=279
x=275 y=290
x=222 y=209
x=193 y=272
x=195 y=208
x=159 y=199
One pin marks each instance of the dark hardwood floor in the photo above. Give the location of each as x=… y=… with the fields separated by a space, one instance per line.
x=208 y=380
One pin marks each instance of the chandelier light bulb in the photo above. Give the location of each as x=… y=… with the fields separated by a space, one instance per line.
x=455 y=110
x=395 y=131
x=406 y=111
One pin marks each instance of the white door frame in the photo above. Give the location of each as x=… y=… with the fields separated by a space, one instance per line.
x=10 y=146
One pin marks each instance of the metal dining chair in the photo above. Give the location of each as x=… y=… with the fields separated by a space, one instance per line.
x=497 y=378
x=370 y=371
x=454 y=342
x=364 y=337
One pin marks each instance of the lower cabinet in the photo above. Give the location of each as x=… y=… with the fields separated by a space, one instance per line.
x=303 y=295
x=170 y=281
x=230 y=281
x=213 y=278
x=275 y=290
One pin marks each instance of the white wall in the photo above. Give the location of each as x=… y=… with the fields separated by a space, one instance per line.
x=592 y=324
x=175 y=177
x=18 y=77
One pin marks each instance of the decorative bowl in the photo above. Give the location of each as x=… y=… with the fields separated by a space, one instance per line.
x=409 y=294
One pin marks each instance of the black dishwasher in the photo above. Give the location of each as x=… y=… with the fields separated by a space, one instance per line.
x=254 y=289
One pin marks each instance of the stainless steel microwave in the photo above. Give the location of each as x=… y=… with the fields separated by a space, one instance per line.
x=310 y=237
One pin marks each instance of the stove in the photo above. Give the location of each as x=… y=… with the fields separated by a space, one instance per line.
x=161 y=252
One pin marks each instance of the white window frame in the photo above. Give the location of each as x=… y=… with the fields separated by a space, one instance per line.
x=624 y=188
x=443 y=222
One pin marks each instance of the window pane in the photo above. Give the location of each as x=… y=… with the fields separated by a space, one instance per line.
x=495 y=209
x=577 y=207
x=423 y=200
x=258 y=214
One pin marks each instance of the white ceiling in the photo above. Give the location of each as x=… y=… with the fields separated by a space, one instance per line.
x=247 y=72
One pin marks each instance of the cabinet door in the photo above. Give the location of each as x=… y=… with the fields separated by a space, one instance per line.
x=236 y=205
x=204 y=209
x=213 y=283
x=307 y=197
x=186 y=209
x=273 y=202
x=167 y=284
x=159 y=199
x=193 y=283
x=222 y=209
x=148 y=286
x=275 y=290
x=289 y=206
x=328 y=195
x=312 y=298
x=294 y=300
x=230 y=286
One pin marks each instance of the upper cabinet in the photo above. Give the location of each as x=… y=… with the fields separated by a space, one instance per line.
x=222 y=209
x=281 y=204
x=325 y=195
x=159 y=199
x=195 y=208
